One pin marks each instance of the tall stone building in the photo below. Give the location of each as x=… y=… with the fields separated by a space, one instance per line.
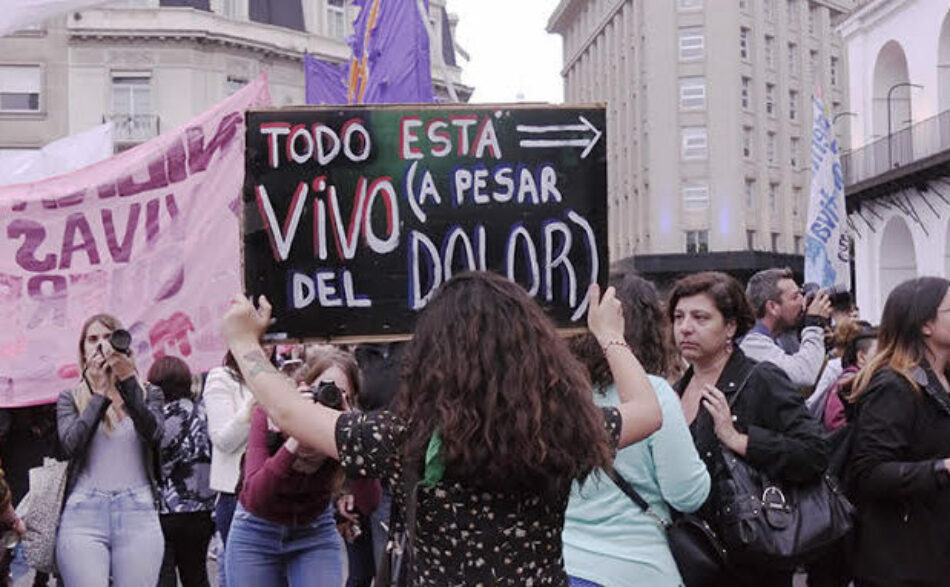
x=150 y=65
x=709 y=123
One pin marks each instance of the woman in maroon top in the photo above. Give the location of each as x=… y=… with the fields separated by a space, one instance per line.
x=283 y=532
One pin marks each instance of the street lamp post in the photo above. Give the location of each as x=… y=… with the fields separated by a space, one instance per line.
x=890 y=159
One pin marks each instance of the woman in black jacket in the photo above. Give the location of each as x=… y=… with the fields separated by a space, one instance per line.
x=767 y=423
x=899 y=461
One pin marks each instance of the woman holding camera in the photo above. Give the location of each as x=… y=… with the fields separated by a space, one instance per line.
x=109 y=428
x=283 y=530
x=493 y=423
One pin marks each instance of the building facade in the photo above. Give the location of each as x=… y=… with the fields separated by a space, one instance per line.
x=150 y=65
x=709 y=123
x=896 y=181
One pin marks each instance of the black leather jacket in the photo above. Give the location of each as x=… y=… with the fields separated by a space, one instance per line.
x=76 y=429
x=902 y=489
x=785 y=441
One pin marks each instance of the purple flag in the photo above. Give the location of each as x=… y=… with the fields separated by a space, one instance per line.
x=390 y=54
x=326 y=82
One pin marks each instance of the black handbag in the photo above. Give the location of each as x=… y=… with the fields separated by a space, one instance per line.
x=766 y=523
x=699 y=554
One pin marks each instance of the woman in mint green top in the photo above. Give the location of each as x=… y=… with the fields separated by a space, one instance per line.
x=608 y=539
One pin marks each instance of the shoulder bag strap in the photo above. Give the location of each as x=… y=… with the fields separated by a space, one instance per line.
x=632 y=493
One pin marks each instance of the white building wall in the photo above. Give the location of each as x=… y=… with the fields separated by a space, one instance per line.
x=915 y=25
x=882 y=257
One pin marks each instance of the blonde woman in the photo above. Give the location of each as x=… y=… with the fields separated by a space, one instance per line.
x=110 y=428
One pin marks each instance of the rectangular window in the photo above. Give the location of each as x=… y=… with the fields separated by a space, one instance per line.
x=692 y=93
x=770 y=51
x=229 y=8
x=695 y=196
x=750 y=193
x=689 y=5
x=747 y=142
x=798 y=245
x=692 y=43
x=770 y=147
x=768 y=6
x=834 y=71
x=792 y=105
x=792 y=59
x=20 y=88
x=793 y=147
x=744 y=49
x=812 y=17
x=697 y=241
x=775 y=236
x=797 y=202
x=792 y=9
x=336 y=19
x=770 y=99
x=773 y=198
x=745 y=94
x=750 y=240
x=132 y=107
x=813 y=61
x=744 y=5
x=694 y=143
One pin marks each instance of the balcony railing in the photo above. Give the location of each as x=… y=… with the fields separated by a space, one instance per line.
x=134 y=128
x=905 y=146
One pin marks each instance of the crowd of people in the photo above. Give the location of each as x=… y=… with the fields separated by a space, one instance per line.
x=490 y=450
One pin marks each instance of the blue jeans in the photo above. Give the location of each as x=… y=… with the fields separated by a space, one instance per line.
x=110 y=533
x=260 y=552
x=223 y=513
x=578 y=582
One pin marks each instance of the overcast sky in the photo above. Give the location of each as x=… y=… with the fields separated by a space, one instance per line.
x=512 y=56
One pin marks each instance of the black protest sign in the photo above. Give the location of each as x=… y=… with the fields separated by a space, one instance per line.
x=354 y=215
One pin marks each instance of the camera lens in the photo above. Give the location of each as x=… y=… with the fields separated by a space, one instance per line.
x=328 y=394
x=120 y=340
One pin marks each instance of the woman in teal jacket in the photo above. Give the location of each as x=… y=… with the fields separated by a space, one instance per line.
x=609 y=540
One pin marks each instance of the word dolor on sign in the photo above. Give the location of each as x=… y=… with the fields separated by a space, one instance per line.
x=353 y=217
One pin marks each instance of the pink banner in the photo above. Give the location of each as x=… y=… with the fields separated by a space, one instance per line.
x=150 y=236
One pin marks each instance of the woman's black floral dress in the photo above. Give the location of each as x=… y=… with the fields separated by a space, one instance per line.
x=464 y=537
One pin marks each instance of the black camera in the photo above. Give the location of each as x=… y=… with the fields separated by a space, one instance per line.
x=120 y=340
x=328 y=394
x=838 y=294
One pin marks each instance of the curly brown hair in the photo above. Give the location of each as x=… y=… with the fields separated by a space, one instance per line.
x=512 y=406
x=646 y=329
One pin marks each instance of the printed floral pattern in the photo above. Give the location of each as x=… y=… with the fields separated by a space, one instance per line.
x=463 y=537
x=186 y=459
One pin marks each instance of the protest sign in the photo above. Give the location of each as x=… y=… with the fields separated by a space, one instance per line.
x=149 y=236
x=354 y=215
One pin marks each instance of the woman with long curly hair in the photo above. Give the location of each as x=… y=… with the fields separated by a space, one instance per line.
x=607 y=539
x=899 y=465
x=493 y=424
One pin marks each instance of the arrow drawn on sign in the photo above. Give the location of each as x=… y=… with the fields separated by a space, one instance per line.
x=588 y=144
